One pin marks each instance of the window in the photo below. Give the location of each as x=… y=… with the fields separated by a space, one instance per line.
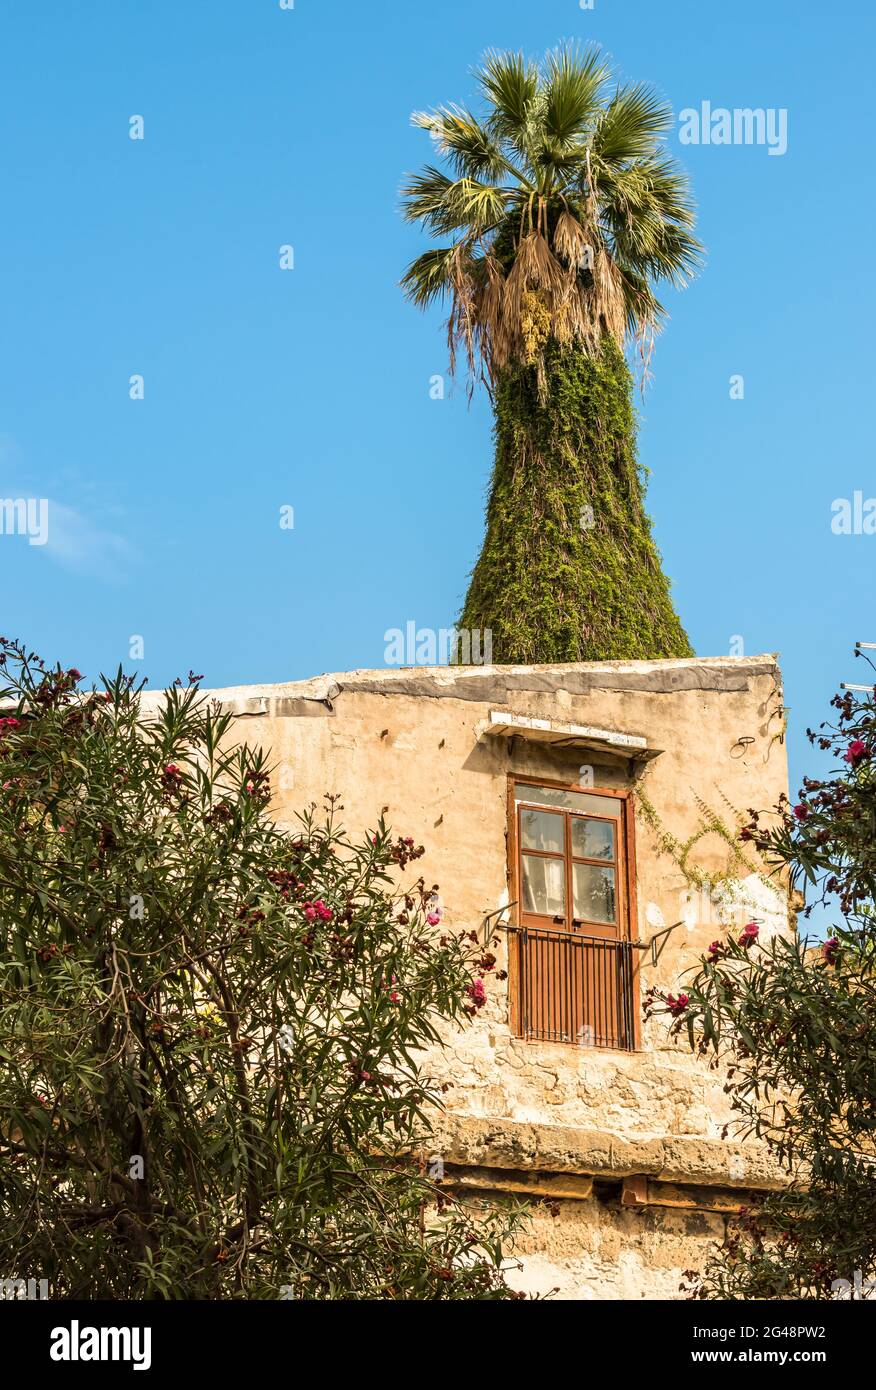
x=572 y=868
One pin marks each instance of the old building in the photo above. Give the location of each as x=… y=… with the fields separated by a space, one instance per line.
x=585 y=817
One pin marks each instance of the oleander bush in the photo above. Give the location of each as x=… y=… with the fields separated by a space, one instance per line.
x=211 y=1026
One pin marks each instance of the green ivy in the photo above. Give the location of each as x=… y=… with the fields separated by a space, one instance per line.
x=737 y=863
x=569 y=570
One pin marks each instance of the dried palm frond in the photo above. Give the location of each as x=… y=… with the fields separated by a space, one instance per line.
x=490 y=302
x=570 y=242
x=462 y=322
x=535 y=268
x=604 y=298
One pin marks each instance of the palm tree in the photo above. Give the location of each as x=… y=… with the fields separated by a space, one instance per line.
x=560 y=212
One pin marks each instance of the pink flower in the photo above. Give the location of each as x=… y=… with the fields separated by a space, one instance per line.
x=677 y=1006
x=801 y=811
x=433 y=919
x=857 y=751
x=310 y=912
x=171 y=770
x=830 y=951
x=750 y=934
x=324 y=913
x=74 y=674
x=11 y=723
x=716 y=949
x=477 y=993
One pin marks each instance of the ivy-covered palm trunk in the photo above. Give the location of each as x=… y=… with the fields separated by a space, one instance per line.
x=568 y=569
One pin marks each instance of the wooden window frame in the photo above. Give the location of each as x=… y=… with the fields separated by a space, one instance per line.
x=625 y=863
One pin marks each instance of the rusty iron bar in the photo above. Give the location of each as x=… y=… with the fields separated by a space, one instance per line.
x=576 y=988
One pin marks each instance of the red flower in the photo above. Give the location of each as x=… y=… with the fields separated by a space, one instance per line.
x=749 y=935
x=318 y=909
x=830 y=951
x=74 y=674
x=856 y=753
x=477 y=993
x=716 y=950
x=801 y=811
x=677 y=1006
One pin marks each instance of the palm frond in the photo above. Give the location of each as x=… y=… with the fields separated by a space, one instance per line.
x=648 y=215
x=445 y=204
x=511 y=85
x=572 y=90
x=631 y=125
x=429 y=277
x=466 y=142
x=564 y=211
x=424 y=196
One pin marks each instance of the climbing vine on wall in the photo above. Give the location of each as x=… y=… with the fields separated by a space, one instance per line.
x=737 y=865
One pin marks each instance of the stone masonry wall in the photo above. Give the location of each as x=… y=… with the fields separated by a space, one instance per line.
x=415 y=742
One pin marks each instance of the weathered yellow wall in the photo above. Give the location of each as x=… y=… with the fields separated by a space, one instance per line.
x=412 y=742
x=595 y=1250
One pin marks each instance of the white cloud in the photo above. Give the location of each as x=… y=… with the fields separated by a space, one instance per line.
x=78 y=543
x=79 y=538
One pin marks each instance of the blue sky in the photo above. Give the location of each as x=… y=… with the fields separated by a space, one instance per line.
x=309 y=388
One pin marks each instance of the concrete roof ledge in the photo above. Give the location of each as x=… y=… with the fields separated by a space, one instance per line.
x=496 y=684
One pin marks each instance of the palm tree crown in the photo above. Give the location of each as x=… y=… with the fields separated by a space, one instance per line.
x=561 y=211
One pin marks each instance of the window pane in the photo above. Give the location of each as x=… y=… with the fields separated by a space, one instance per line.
x=592 y=839
x=542 y=830
x=594 y=893
x=570 y=801
x=544 y=886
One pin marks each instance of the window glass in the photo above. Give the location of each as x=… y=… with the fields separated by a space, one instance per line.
x=544 y=885
x=592 y=839
x=542 y=830
x=594 y=893
x=570 y=801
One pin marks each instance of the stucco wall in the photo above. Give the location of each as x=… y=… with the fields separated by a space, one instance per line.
x=413 y=744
